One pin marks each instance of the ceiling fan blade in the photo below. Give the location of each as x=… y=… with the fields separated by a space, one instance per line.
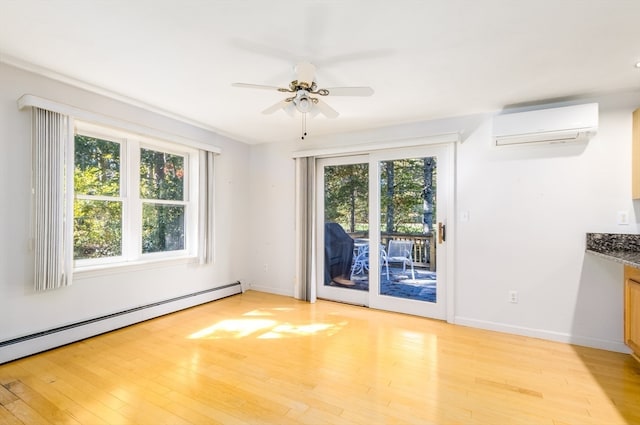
x=290 y=109
x=255 y=86
x=314 y=112
x=280 y=105
x=326 y=110
x=350 y=91
x=305 y=72
x=265 y=50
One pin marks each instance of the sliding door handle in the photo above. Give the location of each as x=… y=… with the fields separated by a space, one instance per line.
x=442 y=232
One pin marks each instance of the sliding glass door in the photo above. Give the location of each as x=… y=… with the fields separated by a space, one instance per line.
x=381 y=229
x=410 y=207
x=343 y=212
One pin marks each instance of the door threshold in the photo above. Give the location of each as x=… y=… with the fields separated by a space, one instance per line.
x=342 y=302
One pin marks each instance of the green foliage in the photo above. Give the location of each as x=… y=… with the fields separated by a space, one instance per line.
x=161 y=175
x=162 y=178
x=162 y=227
x=97 y=230
x=404 y=202
x=407 y=194
x=98 y=209
x=97 y=223
x=346 y=196
x=97 y=166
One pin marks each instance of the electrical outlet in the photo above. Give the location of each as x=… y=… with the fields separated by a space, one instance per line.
x=513 y=297
x=265 y=267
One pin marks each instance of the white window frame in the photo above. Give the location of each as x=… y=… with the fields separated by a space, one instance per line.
x=130 y=145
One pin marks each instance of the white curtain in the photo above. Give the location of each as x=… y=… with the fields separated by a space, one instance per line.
x=205 y=204
x=52 y=193
x=305 y=228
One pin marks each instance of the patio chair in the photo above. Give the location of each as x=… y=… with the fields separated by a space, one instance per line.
x=361 y=258
x=401 y=252
x=384 y=260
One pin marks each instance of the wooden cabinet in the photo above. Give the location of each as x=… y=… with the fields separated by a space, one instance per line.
x=632 y=309
x=635 y=156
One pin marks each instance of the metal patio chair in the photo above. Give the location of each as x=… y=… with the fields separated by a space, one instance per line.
x=400 y=251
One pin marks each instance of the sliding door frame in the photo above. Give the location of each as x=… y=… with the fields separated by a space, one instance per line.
x=450 y=139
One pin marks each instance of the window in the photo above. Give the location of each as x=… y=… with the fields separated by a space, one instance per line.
x=134 y=198
x=100 y=220
x=163 y=204
x=97 y=207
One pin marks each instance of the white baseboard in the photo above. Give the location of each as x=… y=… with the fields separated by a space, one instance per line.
x=270 y=290
x=52 y=338
x=610 y=345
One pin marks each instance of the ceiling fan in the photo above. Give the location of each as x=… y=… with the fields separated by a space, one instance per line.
x=305 y=92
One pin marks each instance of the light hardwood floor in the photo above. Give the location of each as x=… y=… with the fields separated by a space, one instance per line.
x=264 y=359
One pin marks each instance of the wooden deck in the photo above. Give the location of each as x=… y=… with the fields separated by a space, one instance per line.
x=423 y=252
x=263 y=359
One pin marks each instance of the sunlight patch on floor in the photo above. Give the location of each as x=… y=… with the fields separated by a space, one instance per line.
x=251 y=325
x=258 y=312
x=233 y=328
x=286 y=330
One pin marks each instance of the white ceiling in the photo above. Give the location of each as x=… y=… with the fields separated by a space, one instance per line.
x=425 y=59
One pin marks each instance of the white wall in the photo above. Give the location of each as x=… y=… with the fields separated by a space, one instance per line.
x=22 y=311
x=273 y=225
x=529 y=209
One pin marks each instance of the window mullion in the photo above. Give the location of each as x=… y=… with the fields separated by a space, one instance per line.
x=133 y=219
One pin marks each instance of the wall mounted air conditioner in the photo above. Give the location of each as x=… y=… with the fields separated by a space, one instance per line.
x=552 y=125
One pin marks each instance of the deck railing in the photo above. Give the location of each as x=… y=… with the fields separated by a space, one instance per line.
x=424 y=252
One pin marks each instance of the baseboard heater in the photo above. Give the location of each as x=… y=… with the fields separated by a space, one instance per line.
x=45 y=340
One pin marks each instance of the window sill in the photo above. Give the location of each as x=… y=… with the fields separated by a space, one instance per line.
x=132 y=266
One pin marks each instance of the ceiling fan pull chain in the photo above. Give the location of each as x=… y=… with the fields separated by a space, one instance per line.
x=304 y=126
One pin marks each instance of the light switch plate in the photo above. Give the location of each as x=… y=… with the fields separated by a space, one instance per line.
x=623 y=218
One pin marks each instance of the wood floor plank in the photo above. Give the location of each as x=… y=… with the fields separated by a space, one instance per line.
x=27 y=414
x=8 y=418
x=62 y=401
x=39 y=403
x=6 y=396
x=262 y=358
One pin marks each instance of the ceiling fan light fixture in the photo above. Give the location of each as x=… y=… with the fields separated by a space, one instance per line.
x=303 y=103
x=306 y=96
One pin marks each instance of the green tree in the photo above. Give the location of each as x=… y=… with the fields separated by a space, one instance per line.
x=346 y=196
x=407 y=194
x=98 y=208
x=97 y=222
x=429 y=192
x=162 y=179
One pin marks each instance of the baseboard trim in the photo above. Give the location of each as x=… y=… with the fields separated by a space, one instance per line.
x=270 y=290
x=51 y=338
x=603 y=344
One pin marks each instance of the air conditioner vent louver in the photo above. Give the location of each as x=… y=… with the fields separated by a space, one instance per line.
x=552 y=125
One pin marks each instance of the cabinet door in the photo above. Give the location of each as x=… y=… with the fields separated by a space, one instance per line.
x=632 y=315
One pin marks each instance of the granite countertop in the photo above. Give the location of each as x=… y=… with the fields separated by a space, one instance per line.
x=619 y=247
